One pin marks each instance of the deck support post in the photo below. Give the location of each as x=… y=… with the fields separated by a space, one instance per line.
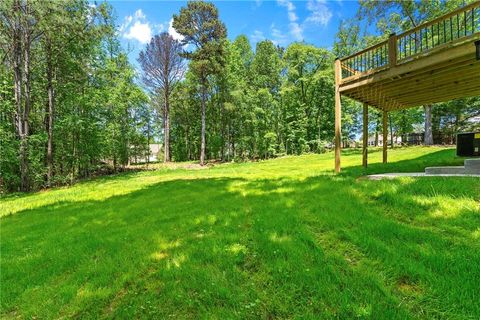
x=365 y=136
x=338 y=115
x=385 y=134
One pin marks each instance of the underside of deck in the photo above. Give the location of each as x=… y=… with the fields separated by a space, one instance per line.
x=445 y=73
x=436 y=61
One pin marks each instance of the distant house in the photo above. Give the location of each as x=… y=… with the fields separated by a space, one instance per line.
x=413 y=138
x=372 y=138
x=154 y=154
x=155 y=149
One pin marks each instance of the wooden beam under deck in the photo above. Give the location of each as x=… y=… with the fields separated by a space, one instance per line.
x=425 y=80
x=408 y=94
x=385 y=135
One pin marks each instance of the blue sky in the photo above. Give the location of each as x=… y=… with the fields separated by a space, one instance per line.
x=282 y=21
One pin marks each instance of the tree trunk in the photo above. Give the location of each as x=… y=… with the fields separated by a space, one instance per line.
x=126 y=146
x=148 y=144
x=202 y=146
x=428 y=138
x=22 y=78
x=391 y=130
x=187 y=143
x=74 y=157
x=17 y=73
x=222 y=131
x=114 y=150
x=166 y=133
x=50 y=115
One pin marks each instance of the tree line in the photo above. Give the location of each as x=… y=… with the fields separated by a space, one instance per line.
x=233 y=102
x=72 y=105
x=68 y=100
x=271 y=101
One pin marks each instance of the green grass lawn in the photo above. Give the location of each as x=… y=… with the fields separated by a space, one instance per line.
x=278 y=239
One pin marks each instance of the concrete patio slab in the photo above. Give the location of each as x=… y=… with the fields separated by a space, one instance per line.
x=415 y=174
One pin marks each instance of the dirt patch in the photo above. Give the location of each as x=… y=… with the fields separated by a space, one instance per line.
x=408 y=287
x=178 y=165
x=115 y=302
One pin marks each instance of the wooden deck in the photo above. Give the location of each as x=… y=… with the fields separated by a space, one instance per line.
x=434 y=62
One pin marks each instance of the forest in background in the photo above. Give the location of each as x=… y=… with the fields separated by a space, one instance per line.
x=72 y=106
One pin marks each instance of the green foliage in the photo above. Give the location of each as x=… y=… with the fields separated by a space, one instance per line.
x=456 y=116
x=95 y=97
x=262 y=104
x=200 y=26
x=233 y=103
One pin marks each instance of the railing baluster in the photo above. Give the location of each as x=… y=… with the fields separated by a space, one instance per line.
x=444 y=32
x=370 y=60
x=433 y=37
x=458 y=26
x=416 y=41
x=373 y=59
x=410 y=44
x=381 y=55
x=473 y=20
x=367 y=67
x=438 y=33
x=385 y=55
x=420 y=39
x=451 y=29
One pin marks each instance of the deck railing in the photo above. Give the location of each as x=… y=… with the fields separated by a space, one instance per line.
x=459 y=24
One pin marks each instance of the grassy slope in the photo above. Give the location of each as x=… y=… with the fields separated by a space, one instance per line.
x=277 y=239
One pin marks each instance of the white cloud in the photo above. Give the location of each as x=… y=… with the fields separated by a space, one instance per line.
x=292 y=16
x=257 y=36
x=320 y=14
x=296 y=30
x=160 y=27
x=140 y=32
x=171 y=30
x=140 y=15
x=136 y=27
x=278 y=38
x=286 y=3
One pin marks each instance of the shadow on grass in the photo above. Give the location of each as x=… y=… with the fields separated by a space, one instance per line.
x=326 y=246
